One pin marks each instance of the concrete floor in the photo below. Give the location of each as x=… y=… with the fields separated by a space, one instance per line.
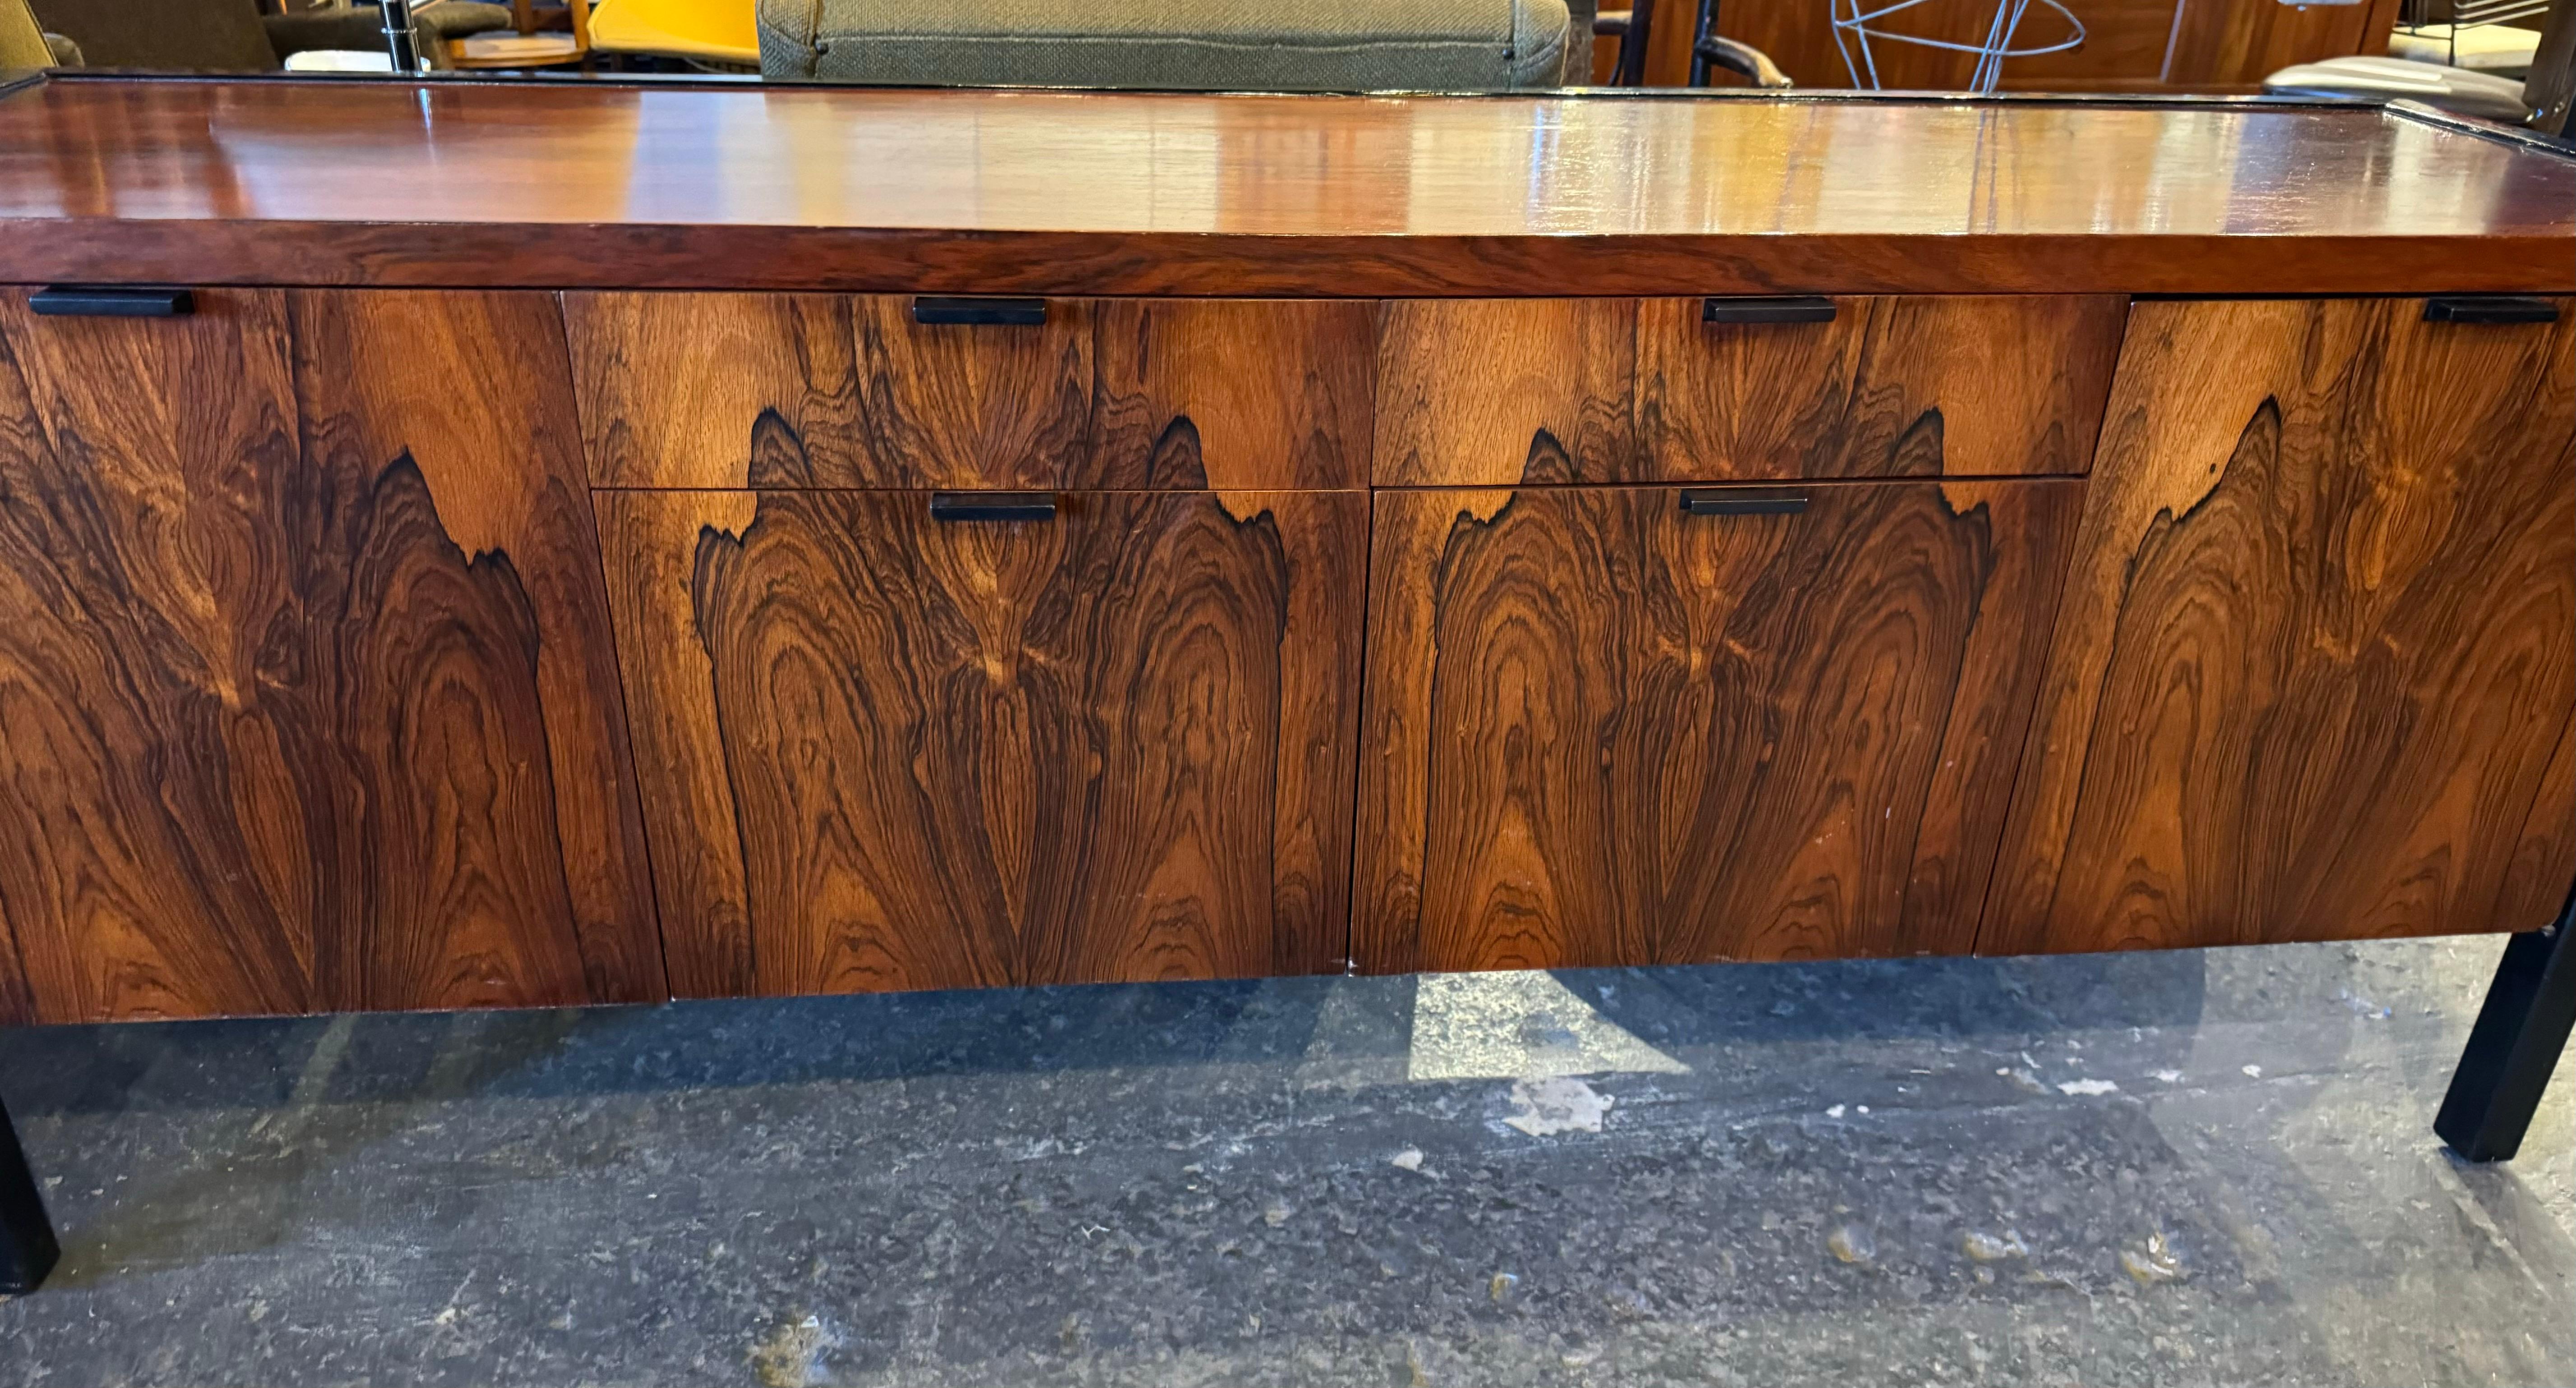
x=2191 y=1168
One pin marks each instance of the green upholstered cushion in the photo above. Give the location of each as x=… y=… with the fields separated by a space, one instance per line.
x=205 y=35
x=1194 y=45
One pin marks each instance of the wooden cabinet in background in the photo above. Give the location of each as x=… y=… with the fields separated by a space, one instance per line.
x=307 y=697
x=2315 y=669
x=1501 y=392
x=826 y=390
x=1603 y=730
x=884 y=750
x=2129 y=45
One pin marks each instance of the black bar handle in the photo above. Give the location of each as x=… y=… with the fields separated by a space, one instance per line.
x=1018 y=313
x=992 y=506
x=1774 y=308
x=2489 y=308
x=111 y=301
x=1742 y=503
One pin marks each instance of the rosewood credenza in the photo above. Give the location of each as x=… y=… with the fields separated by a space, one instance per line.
x=475 y=544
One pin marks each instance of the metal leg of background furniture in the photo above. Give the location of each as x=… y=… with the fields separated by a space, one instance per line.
x=27 y=1247
x=2515 y=1044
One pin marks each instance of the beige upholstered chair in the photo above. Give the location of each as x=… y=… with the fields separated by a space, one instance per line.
x=1199 y=45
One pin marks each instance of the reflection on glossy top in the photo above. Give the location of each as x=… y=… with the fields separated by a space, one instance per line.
x=382 y=152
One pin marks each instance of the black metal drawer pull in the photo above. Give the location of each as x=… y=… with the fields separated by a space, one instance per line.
x=1735 y=503
x=111 y=301
x=1782 y=308
x=1022 y=313
x=992 y=506
x=2489 y=308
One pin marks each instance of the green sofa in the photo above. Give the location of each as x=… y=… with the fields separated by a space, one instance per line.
x=1195 y=45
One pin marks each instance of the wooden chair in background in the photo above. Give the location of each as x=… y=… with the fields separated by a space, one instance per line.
x=1634 y=28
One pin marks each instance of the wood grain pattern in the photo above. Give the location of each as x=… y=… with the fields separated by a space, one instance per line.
x=960 y=405
x=1490 y=392
x=816 y=390
x=883 y=752
x=2316 y=664
x=1893 y=387
x=1600 y=731
x=306 y=696
x=672 y=387
x=806 y=390
x=1235 y=394
x=668 y=185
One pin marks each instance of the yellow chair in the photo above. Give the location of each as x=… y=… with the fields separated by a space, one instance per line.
x=716 y=32
x=22 y=44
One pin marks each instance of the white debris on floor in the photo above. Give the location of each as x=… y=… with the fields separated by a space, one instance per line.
x=1544 y=1108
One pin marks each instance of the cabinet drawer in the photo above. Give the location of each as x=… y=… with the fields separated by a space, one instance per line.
x=1603 y=729
x=1926 y=386
x=1593 y=391
x=884 y=750
x=824 y=390
x=1499 y=392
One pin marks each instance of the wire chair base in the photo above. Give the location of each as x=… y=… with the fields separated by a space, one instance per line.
x=1856 y=27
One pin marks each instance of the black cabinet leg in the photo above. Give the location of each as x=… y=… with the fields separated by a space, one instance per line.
x=2515 y=1044
x=27 y=1247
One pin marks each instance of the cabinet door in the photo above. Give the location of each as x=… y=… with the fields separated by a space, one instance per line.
x=307 y=698
x=884 y=751
x=1604 y=730
x=2318 y=650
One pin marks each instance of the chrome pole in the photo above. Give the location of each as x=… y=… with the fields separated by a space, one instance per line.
x=401 y=40
x=2549 y=89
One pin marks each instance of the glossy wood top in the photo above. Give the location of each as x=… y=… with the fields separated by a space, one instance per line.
x=315 y=181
